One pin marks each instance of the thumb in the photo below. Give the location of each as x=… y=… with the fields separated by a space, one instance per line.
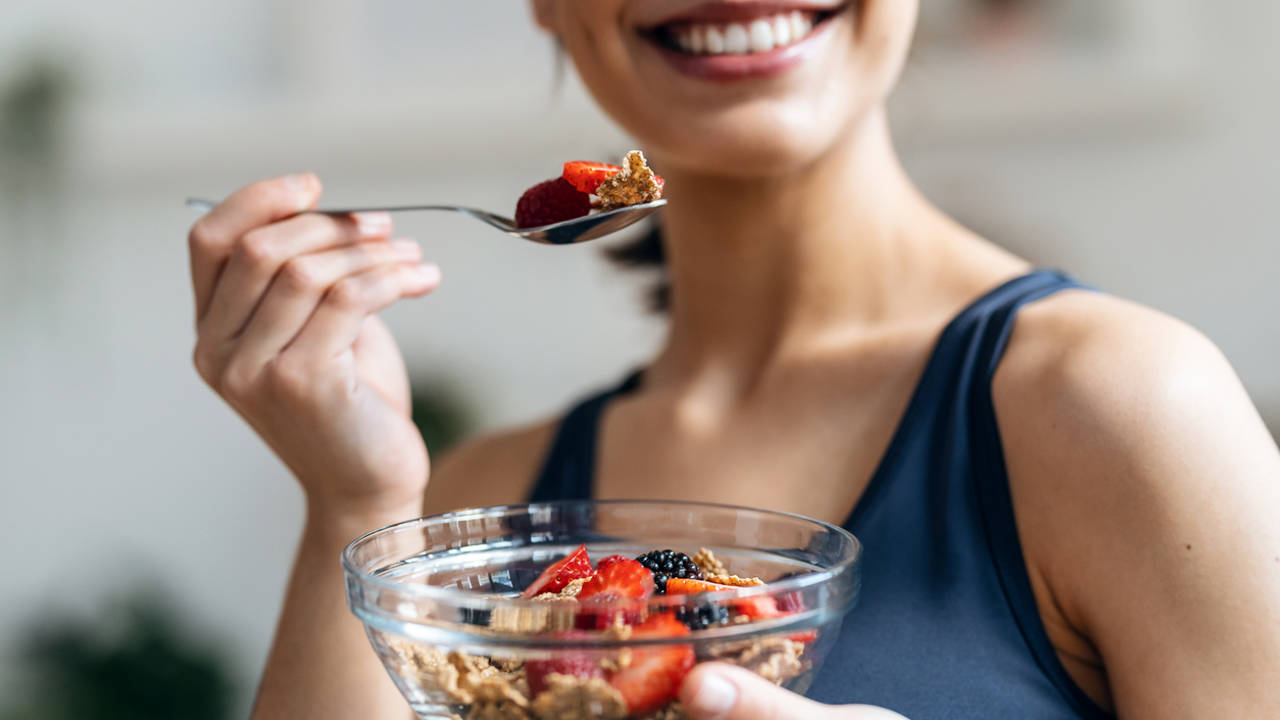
x=717 y=691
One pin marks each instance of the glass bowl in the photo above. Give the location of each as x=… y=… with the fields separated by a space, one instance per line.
x=440 y=600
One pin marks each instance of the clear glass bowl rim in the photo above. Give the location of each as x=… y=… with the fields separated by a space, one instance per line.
x=461 y=597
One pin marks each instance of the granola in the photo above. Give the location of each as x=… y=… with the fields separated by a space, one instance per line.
x=734 y=580
x=571 y=698
x=776 y=659
x=541 y=618
x=709 y=563
x=611 y=683
x=498 y=711
x=635 y=184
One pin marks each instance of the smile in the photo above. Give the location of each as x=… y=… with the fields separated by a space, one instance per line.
x=736 y=41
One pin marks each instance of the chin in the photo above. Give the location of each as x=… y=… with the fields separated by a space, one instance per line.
x=744 y=142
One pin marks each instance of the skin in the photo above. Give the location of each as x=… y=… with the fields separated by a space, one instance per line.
x=810 y=282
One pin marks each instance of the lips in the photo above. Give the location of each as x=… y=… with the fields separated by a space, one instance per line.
x=733 y=41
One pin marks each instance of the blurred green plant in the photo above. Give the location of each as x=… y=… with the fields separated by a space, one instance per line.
x=134 y=661
x=442 y=411
x=33 y=106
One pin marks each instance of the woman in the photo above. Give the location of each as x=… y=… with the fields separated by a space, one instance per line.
x=1067 y=500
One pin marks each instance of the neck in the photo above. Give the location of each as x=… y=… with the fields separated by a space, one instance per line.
x=762 y=268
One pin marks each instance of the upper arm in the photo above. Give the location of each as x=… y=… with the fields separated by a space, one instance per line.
x=1147 y=491
x=494 y=469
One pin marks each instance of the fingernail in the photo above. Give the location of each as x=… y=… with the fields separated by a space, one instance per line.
x=299 y=182
x=302 y=185
x=406 y=248
x=714 y=695
x=426 y=274
x=373 y=224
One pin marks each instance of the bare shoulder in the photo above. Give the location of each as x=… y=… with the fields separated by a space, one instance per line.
x=492 y=469
x=1145 y=486
x=1089 y=370
x=1111 y=412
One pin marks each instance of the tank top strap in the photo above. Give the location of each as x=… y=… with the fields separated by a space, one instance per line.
x=568 y=471
x=994 y=494
x=963 y=361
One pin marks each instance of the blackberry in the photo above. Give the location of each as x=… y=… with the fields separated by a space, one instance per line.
x=667 y=564
x=703 y=616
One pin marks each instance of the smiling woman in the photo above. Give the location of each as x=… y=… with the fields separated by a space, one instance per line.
x=1053 y=486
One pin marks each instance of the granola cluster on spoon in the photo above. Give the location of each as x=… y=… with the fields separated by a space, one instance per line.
x=584 y=187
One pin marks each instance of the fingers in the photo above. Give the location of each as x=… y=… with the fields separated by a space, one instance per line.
x=301 y=284
x=261 y=203
x=716 y=691
x=337 y=320
x=260 y=253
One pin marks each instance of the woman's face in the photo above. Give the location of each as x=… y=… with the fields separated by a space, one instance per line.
x=740 y=87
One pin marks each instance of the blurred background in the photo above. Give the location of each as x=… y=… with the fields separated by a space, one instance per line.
x=1131 y=142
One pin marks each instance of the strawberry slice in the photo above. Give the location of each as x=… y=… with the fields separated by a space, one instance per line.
x=763 y=608
x=586 y=176
x=618 y=578
x=662 y=624
x=579 y=665
x=791 y=602
x=560 y=573
x=653 y=677
x=758 y=608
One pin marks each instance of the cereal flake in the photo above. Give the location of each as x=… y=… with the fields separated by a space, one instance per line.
x=571 y=698
x=734 y=580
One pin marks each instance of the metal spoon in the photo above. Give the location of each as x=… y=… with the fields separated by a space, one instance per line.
x=568 y=232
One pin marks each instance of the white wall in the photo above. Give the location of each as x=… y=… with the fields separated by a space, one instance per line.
x=115 y=461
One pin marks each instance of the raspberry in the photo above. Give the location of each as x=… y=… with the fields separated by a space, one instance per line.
x=549 y=202
x=667 y=564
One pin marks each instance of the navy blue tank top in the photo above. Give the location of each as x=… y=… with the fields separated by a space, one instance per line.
x=947 y=626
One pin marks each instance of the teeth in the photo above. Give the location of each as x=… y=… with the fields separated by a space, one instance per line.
x=697 y=41
x=715 y=40
x=781 y=31
x=736 y=41
x=684 y=38
x=801 y=24
x=759 y=36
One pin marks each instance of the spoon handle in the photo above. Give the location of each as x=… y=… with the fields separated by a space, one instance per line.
x=207 y=205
